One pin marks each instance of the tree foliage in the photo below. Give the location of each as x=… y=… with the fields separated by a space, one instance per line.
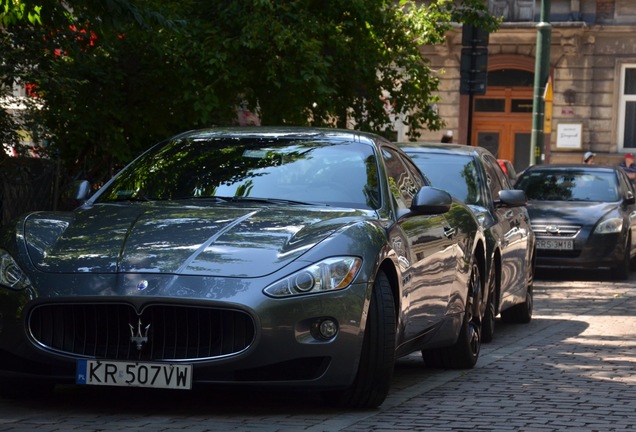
x=112 y=77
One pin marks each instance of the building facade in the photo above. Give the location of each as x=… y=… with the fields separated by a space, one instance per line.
x=590 y=97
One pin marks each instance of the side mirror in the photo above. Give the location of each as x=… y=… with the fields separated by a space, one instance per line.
x=629 y=199
x=511 y=198
x=431 y=201
x=83 y=190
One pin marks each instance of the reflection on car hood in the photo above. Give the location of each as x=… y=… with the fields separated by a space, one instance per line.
x=572 y=212
x=227 y=241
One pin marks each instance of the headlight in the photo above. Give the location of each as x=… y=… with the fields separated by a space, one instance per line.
x=609 y=226
x=11 y=276
x=328 y=275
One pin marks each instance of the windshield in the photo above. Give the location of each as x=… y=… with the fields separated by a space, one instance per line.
x=456 y=174
x=569 y=186
x=306 y=170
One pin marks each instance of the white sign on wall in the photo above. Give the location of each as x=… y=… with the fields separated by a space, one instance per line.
x=569 y=136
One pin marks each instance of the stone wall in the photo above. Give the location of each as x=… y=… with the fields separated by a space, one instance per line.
x=585 y=62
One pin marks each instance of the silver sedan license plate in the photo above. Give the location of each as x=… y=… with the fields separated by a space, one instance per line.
x=134 y=374
x=555 y=244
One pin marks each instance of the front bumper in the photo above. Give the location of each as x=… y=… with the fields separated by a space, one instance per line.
x=283 y=350
x=597 y=252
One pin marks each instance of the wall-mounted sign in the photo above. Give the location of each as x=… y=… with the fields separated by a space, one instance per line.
x=569 y=136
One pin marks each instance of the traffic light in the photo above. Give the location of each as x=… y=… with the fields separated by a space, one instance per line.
x=474 y=60
x=474 y=70
x=474 y=36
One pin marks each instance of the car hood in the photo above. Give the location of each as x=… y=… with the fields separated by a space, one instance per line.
x=230 y=241
x=571 y=212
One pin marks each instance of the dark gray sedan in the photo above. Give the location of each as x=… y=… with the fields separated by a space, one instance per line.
x=294 y=258
x=584 y=216
x=473 y=175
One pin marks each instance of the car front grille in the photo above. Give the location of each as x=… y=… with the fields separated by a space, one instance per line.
x=160 y=332
x=554 y=230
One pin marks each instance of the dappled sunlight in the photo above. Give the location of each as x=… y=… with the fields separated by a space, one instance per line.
x=596 y=355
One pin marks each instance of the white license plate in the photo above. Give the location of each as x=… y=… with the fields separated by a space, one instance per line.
x=555 y=244
x=134 y=374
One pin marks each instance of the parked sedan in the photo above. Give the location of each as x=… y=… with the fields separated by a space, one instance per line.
x=304 y=258
x=584 y=216
x=473 y=175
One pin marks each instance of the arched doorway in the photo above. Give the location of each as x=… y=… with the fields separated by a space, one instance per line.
x=502 y=118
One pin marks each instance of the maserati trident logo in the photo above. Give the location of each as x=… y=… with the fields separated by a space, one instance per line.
x=141 y=337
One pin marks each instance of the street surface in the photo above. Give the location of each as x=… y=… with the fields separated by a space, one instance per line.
x=571 y=369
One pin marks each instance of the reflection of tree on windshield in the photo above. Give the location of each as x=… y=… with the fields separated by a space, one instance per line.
x=254 y=168
x=372 y=186
x=244 y=189
x=470 y=178
x=549 y=188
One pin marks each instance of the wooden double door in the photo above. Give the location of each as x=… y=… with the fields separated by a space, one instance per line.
x=502 y=122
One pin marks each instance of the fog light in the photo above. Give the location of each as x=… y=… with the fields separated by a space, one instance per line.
x=327 y=328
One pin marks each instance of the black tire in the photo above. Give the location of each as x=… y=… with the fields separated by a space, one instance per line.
x=488 y=322
x=522 y=313
x=377 y=360
x=465 y=352
x=622 y=269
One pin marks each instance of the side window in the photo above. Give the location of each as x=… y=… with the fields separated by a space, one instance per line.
x=494 y=176
x=625 y=184
x=403 y=182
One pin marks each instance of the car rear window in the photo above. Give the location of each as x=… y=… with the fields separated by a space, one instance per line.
x=569 y=186
x=456 y=174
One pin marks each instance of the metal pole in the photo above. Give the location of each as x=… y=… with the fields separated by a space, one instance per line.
x=541 y=72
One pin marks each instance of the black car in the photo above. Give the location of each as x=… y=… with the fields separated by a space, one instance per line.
x=583 y=216
x=285 y=257
x=473 y=175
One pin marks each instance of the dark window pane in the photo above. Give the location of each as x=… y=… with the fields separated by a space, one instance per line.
x=489 y=140
x=510 y=78
x=522 y=151
x=521 y=106
x=490 y=105
x=629 y=139
x=630 y=81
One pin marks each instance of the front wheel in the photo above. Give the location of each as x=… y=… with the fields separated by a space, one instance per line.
x=621 y=271
x=375 y=372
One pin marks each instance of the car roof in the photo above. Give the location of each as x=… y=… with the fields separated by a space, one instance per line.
x=572 y=167
x=442 y=148
x=289 y=132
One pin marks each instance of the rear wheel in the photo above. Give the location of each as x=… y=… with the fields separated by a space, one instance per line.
x=373 y=380
x=465 y=352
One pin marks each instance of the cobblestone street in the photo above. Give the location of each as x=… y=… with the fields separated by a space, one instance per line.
x=571 y=368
